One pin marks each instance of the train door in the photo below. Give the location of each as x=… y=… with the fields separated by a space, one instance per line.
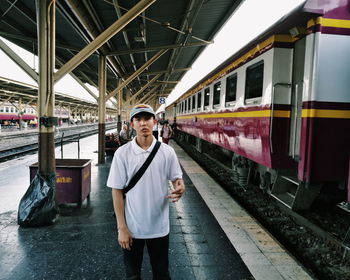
x=297 y=97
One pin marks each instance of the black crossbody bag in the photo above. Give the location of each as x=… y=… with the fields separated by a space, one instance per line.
x=142 y=169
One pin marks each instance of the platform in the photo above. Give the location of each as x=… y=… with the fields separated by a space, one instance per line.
x=215 y=242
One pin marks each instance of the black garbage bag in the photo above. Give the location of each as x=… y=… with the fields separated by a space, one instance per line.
x=38 y=206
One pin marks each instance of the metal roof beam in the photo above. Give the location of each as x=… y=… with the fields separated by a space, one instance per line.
x=167 y=82
x=137 y=73
x=18 y=60
x=125 y=35
x=89 y=28
x=165 y=71
x=102 y=38
x=154 y=48
x=144 y=87
x=6 y=100
x=188 y=22
x=147 y=94
x=80 y=82
x=35 y=41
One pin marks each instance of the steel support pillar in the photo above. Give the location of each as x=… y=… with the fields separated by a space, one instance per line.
x=69 y=115
x=102 y=74
x=120 y=100
x=46 y=100
x=20 y=113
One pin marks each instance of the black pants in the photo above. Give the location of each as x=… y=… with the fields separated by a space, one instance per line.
x=158 y=253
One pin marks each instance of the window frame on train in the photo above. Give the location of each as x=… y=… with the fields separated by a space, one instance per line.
x=193 y=102
x=228 y=101
x=217 y=94
x=206 y=104
x=254 y=83
x=199 y=101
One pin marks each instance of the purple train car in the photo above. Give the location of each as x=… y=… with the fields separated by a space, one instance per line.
x=281 y=105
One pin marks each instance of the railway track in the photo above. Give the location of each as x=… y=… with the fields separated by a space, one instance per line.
x=315 y=237
x=30 y=145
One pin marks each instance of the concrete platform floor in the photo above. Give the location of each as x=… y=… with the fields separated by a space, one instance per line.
x=265 y=257
x=82 y=244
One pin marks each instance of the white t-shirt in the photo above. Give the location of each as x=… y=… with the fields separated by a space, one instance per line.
x=146 y=204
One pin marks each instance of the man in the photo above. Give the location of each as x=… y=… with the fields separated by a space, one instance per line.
x=123 y=135
x=166 y=132
x=155 y=130
x=143 y=218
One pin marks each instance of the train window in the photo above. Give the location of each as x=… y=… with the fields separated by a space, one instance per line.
x=188 y=108
x=216 y=95
x=193 y=103
x=199 y=101
x=206 y=98
x=1 y=109
x=254 y=81
x=12 y=110
x=7 y=109
x=231 y=88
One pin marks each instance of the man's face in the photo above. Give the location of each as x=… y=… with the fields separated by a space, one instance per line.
x=143 y=124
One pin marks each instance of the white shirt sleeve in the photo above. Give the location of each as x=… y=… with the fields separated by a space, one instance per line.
x=117 y=177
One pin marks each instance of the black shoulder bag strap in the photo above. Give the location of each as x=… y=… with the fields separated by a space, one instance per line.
x=142 y=169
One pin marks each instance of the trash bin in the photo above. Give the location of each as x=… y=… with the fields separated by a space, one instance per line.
x=73 y=180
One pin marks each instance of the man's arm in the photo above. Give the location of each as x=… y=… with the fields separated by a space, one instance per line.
x=124 y=236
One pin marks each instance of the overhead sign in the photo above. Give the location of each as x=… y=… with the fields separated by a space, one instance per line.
x=161 y=100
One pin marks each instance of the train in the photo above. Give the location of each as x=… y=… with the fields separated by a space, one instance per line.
x=280 y=107
x=12 y=115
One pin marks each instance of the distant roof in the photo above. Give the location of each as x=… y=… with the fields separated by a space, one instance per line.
x=184 y=27
x=11 y=90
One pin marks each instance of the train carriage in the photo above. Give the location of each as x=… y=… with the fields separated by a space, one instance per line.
x=281 y=104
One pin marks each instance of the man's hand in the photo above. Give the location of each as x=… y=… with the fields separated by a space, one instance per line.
x=124 y=238
x=178 y=190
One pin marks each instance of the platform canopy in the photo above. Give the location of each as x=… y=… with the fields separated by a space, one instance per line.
x=12 y=91
x=172 y=33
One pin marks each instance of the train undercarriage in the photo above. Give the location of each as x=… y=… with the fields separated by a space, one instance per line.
x=282 y=185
